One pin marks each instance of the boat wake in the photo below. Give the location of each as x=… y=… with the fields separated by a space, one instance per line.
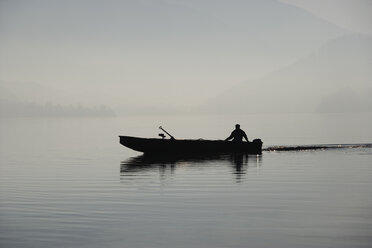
x=316 y=147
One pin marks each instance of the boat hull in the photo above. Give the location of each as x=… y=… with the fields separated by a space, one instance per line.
x=177 y=147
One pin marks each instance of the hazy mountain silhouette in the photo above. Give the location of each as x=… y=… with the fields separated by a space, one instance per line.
x=336 y=78
x=158 y=53
x=346 y=100
x=145 y=21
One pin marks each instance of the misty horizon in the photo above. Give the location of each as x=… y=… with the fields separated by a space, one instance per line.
x=173 y=56
x=186 y=123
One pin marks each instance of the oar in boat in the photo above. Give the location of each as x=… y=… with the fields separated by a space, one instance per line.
x=172 y=138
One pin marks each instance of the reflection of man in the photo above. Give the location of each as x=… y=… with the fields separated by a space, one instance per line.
x=237 y=135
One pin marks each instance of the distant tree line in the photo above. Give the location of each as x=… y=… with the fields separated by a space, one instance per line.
x=19 y=109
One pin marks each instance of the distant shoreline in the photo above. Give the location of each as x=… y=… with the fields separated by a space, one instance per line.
x=19 y=109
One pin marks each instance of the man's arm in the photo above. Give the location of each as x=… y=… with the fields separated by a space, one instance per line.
x=230 y=137
x=245 y=136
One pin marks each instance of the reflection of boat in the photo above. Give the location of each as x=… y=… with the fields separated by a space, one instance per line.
x=138 y=165
x=147 y=161
x=173 y=146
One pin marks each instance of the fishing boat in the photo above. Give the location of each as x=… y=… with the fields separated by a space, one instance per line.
x=172 y=146
x=159 y=146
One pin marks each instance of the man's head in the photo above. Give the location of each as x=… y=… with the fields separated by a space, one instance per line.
x=237 y=126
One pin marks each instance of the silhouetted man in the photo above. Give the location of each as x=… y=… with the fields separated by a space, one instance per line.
x=237 y=135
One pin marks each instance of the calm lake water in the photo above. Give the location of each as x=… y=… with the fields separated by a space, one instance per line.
x=69 y=183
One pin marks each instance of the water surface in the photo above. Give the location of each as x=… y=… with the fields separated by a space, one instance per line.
x=68 y=183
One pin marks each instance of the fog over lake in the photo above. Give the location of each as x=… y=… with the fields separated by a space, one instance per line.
x=75 y=75
x=178 y=56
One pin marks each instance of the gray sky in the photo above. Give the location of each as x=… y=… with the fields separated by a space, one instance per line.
x=159 y=53
x=354 y=15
